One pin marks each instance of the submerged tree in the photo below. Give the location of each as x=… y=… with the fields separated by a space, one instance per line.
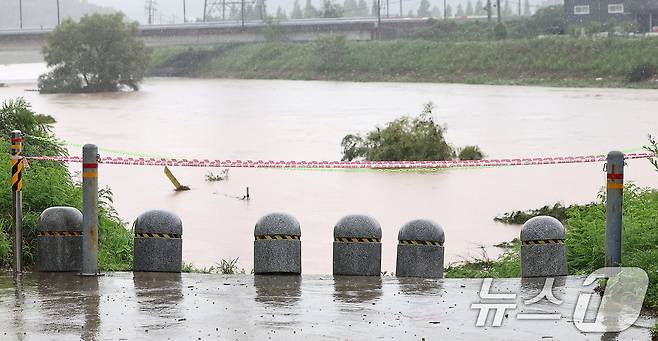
x=406 y=138
x=99 y=53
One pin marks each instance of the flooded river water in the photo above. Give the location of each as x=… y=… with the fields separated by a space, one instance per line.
x=306 y=120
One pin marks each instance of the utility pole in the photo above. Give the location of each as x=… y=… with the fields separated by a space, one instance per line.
x=500 y=19
x=379 y=19
x=489 y=11
x=150 y=11
x=58 y=18
x=20 y=13
x=205 y=7
x=445 y=9
x=519 y=8
x=184 y=13
x=387 y=7
x=242 y=12
x=401 y=13
x=223 y=10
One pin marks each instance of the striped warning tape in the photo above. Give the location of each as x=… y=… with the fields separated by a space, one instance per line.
x=157 y=235
x=357 y=240
x=341 y=164
x=59 y=233
x=421 y=242
x=277 y=237
x=545 y=241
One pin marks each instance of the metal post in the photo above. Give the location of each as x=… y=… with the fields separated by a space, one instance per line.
x=401 y=14
x=613 y=212
x=90 y=210
x=184 y=13
x=489 y=11
x=58 y=17
x=242 y=12
x=17 y=196
x=387 y=7
x=20 y=13
x=445 y=9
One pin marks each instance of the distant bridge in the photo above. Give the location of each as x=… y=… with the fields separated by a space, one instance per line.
x=211 y=33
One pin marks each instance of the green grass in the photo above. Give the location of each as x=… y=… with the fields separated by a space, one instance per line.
x=48 y=184
x=225 y=266
x=585 y=241
x=549 y=61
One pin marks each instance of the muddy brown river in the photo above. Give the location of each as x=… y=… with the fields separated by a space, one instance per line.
x=306 y=120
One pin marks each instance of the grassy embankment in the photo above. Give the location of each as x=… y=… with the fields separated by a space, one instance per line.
x=559 y=61
x=46 y=184
x=585 y=240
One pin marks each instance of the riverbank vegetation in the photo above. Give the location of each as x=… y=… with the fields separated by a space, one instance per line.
x=98 y=53
x=553 y=61
x=585 y=240
x=406 y=138
x=49 y=183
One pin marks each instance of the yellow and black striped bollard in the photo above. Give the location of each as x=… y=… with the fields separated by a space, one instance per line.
x=17 y=198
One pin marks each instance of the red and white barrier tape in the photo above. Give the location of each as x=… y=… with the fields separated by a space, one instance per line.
x=340 y=164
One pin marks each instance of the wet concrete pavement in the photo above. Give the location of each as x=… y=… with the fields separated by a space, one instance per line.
x=141 y=306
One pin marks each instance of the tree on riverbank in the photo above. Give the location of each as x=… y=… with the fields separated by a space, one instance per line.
x=99 y=53
x=406 y=138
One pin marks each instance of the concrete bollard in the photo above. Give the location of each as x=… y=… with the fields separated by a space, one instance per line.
x=420 y=250
x=543 y=253
x=357 y=246
x=158 y=242
x=59 y=240
x=277 y=248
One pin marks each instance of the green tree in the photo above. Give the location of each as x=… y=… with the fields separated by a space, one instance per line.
x=424 y=9
x=331 y=9
x=479 y=8
x=469 y=9
x=260 y=10
x=507 y=10
x=310 y=11
x=99 y=53
x=547 y=20
x=460 y=11
x=281 y=14
x=296 y=11
x=374 y=9
x=436 y=12
x=363 y=8
x=350 y=8
x=448 y=11
x=406 y=138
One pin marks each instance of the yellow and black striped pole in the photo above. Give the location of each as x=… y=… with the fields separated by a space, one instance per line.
x=17 y=196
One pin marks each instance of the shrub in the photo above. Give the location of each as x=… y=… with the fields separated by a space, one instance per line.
x=471 y=153
x=641 y=73
x=332 y=52
x=500 y=31
x=48 y=183
x=406 y=138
